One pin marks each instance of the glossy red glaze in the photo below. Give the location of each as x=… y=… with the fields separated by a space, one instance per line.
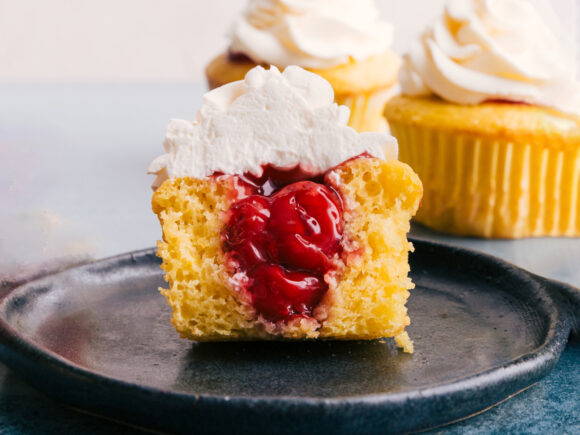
x=280 y=294
x=273 y=179
x=285 y=242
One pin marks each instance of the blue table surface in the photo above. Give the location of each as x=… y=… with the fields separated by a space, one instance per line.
x=73 y=187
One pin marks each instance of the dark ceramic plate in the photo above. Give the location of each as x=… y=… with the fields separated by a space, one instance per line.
x=98 y=338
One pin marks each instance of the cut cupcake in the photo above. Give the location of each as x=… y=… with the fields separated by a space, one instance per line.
x=343 y=42
x=279 y=221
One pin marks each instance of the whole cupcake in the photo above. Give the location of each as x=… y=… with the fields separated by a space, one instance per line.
x=490 y=120
x=280 y=221
x=341 y=40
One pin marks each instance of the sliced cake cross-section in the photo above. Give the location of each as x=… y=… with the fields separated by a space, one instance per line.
x=279 y=221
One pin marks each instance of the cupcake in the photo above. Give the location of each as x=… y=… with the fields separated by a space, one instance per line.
x=343 y=41
x=490 y=120
x=281 y=222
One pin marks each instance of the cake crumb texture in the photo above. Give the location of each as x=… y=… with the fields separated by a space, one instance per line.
x=369 y=299
x=366 y=297
x=204 y=306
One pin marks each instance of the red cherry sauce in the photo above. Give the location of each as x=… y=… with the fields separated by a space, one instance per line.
x=283 y=236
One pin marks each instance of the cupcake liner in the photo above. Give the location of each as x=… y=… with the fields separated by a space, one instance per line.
x=366 y=110
x=484 y=186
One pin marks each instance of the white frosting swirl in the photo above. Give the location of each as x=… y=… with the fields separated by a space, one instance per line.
x=492 y=49
x=311 y=34
x=282 y=119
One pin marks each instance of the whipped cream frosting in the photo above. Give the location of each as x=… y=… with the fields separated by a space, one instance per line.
x=481 y=50
x=284 y=119
x=311 y=34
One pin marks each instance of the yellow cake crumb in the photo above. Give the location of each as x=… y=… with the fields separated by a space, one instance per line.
x=367 y=299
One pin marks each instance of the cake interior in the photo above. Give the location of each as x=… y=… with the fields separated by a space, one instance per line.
x=352 y=281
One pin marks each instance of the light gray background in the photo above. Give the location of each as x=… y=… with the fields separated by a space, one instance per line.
x=73 y=182
x=166 y=39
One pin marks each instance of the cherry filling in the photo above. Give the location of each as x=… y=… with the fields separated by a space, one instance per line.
x=284 y=237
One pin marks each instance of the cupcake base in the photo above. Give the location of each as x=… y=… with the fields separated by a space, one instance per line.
x=494 y=170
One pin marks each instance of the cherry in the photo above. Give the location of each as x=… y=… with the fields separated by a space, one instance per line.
x=284 y=243
x=306 y=218
x=280 y=294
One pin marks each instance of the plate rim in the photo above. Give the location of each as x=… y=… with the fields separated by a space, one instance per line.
x=525 y=369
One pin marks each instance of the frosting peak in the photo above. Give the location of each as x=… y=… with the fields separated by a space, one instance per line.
x=282 y=119
x=311 y=34
x=492 y=49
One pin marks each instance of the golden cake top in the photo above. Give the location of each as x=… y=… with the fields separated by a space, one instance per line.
x=518 y=122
